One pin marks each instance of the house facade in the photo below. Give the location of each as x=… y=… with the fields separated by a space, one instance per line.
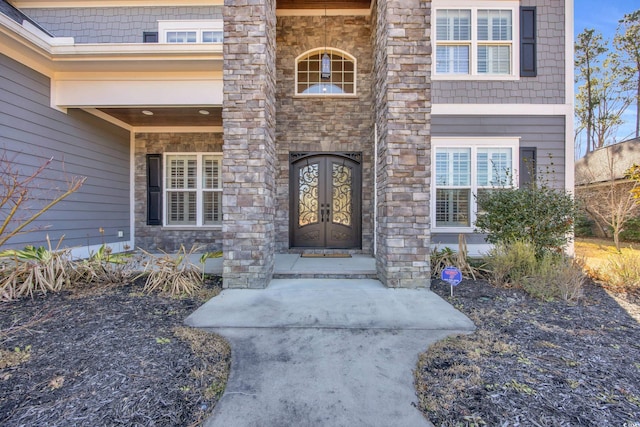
x=290 y=126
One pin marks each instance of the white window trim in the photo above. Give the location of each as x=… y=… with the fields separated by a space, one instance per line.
x=345 y=55
x=474 y=6
x=199 y=191
x=473 y=143
x=199 y=26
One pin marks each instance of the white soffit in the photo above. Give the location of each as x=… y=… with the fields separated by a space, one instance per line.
x=122 y=92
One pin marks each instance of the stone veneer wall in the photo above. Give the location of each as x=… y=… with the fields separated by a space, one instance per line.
x=323 y=123
x=156 y=237
x=248 y=166
x=403 y=114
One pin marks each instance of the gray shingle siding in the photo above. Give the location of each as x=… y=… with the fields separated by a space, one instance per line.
x=547 y=88
x=114 y=24
x=82 y=145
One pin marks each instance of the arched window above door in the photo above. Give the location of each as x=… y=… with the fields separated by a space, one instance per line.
x=314 y=80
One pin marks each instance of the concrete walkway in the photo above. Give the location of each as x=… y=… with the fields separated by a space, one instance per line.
x=325 y=352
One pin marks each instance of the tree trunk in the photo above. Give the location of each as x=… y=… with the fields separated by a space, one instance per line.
x=638 y=103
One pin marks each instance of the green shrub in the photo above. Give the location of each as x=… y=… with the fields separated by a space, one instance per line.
x=538 y=214
x=631 y=232
x=583 y=226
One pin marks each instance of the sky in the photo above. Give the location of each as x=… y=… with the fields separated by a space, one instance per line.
x=603 y=16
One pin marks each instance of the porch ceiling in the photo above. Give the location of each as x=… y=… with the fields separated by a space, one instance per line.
x=167 y=116
x=323 y=4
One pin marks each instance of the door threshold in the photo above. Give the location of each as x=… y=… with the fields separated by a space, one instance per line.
x=325 y=255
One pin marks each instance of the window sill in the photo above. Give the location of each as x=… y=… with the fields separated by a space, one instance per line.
x=456 y=230
x=331 y=95
x=191 y=228
x=468 y=77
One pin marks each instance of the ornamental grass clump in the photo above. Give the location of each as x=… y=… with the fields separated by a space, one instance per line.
x=173 y=274
x=447 y=257
x=510 y=263
x=34 y=270
x=547 y=277
x=104 y=267
x=621 y=271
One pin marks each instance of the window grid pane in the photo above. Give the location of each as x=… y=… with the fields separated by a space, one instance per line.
x=453 y=24
x=181 y=172
x=181 y=208
x=452 y=59
x=212 y=36
x=494 y=168
x=181 y=36
x=212 y=207
x=494 y=59
x=452 y=207
x=453 y=167
x=211 y=173
x=341 y=80
x=495 y=25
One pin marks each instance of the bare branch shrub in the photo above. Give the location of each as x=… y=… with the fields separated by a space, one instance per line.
x=19 y=204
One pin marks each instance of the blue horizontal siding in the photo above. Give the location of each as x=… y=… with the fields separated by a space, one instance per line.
x=80 y=144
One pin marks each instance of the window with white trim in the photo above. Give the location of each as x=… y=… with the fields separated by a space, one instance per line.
x=190 y=31
x=476 y=42
x=312 y=80
x=193 y=189
x=464 y=168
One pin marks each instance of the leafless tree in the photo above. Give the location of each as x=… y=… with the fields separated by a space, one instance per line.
x=609 y=199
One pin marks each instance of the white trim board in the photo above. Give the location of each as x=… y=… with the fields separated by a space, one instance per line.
x=502 y=110
x=26 y=4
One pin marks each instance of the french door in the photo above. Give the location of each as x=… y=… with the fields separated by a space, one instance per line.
x=325 y=200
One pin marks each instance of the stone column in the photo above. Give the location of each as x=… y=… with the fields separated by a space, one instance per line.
x=403 y=117
x=249 y=156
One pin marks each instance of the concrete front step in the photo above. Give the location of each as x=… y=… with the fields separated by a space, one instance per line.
x=325 y=275
x=293 y=266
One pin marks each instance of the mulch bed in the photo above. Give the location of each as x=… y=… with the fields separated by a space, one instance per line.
x=533 y=363
x=103 y=357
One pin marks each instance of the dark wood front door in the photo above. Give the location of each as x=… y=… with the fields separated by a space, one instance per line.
x=325 y=200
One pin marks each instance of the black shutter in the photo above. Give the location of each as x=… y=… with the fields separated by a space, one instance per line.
x=150 y=37
x=528 y=42
x=527 y=166
x=154 y=189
